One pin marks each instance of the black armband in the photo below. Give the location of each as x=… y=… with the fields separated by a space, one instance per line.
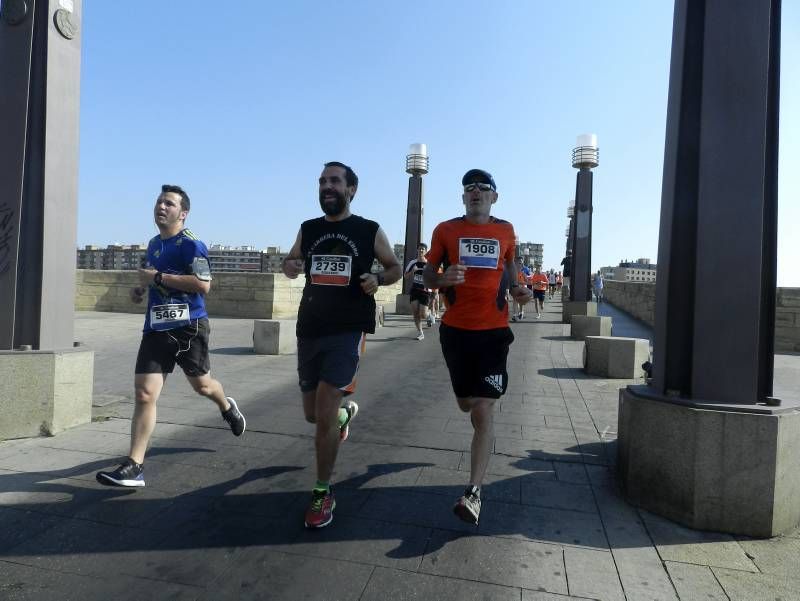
x=157 y=278
x=201 y=269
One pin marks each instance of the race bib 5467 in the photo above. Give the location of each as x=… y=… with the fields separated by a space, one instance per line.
x=479 y=252
x=331 y=270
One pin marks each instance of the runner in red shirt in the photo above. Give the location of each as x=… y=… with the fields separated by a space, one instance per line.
x=540 y=284
x=476 y=251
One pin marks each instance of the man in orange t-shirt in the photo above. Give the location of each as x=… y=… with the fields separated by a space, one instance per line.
x=540 y=283
x=476 y=250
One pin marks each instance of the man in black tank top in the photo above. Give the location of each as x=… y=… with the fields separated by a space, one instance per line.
x=419 y=296
x=335 y=252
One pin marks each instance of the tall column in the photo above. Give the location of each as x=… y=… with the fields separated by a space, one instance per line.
x=40 y=52
x=719 y=204
x=705 y=444
x=416 y=167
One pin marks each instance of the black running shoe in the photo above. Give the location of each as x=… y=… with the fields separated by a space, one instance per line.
x=234 y=417
x=129 y=474
x=468 y=507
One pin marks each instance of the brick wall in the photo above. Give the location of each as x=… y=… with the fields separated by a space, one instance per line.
x=245 y=295
x=639 y=299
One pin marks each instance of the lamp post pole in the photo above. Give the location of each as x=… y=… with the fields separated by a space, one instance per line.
x=416 y=166
x=584 y=158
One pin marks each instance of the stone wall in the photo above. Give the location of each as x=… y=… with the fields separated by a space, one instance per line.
x=639 y=300
x=787 y=320
x=245 y=295
x=635 y=298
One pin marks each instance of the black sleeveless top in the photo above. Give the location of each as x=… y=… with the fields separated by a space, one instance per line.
x=336 y=253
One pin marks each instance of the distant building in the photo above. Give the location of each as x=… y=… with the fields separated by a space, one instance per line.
x=272 y=259
x=113 y=256
x=532 y=253
x=399 y=250
x=607 y=272
x=641 y=270
x=234 y=258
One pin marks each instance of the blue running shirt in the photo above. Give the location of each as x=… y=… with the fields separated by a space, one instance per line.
x=175 y=256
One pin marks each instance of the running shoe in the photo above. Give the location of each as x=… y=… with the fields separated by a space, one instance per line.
x=420 y=336
x=320 y=513
x=514 y=318
x=352 y=409
x=433 y=320
x=468 y=507
x=430 y=320
x=129 y=474
x=234 y=417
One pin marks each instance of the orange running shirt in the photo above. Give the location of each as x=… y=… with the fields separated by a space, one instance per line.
x=480 y=302
x=540 y=281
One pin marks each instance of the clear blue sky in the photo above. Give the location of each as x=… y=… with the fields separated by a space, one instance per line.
x=241 y=103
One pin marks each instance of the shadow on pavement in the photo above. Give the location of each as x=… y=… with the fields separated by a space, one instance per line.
x=233 y=350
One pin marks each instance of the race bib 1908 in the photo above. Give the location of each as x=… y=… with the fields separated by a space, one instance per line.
x=479 y=252
x=331 y=270
x=169 y=317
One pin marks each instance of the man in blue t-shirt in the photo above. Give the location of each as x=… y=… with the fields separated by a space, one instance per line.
x=176 y=279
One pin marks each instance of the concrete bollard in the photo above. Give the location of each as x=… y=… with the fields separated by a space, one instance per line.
x=274 y=336
x=589 y=325
x=611 y=357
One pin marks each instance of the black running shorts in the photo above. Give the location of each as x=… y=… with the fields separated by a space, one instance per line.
x=476 y=360
x=332 y=359
x=421 y=296
x=186 y=346
x=538 y=294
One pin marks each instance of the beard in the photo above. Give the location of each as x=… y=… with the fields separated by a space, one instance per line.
x=333 y=206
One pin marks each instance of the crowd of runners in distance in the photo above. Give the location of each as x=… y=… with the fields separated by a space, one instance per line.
x=469 y=281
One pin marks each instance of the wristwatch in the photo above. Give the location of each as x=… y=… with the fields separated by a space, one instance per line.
x=379 y=277
x=157 y=278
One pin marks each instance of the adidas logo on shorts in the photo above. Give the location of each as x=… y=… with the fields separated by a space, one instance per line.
x=496 y=382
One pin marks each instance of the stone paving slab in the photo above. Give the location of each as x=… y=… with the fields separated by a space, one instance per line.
x=221 y=516
x=497 y=561
x=592 y=573
x=695 y=582
x=409 y=586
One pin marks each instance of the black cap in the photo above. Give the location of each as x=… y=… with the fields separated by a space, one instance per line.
x=478 y=176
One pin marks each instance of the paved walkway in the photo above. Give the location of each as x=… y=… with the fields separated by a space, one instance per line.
x=221 y=517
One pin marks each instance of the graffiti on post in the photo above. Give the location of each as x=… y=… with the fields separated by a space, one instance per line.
x=6 y=232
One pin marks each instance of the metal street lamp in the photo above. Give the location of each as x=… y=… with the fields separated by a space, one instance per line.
x=416 y=166
x=585 y=156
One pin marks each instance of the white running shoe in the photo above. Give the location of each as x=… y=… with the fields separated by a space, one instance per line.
x=420 y=336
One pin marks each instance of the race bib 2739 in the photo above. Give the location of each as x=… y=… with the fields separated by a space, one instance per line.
x=331 y=270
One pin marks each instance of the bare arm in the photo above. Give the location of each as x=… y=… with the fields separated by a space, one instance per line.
x=521 y=294
x=293 y=263
x=452 y=276
x=184 y=283
x=393 y=271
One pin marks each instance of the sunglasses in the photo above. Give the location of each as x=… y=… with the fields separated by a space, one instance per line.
x=477 y=186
